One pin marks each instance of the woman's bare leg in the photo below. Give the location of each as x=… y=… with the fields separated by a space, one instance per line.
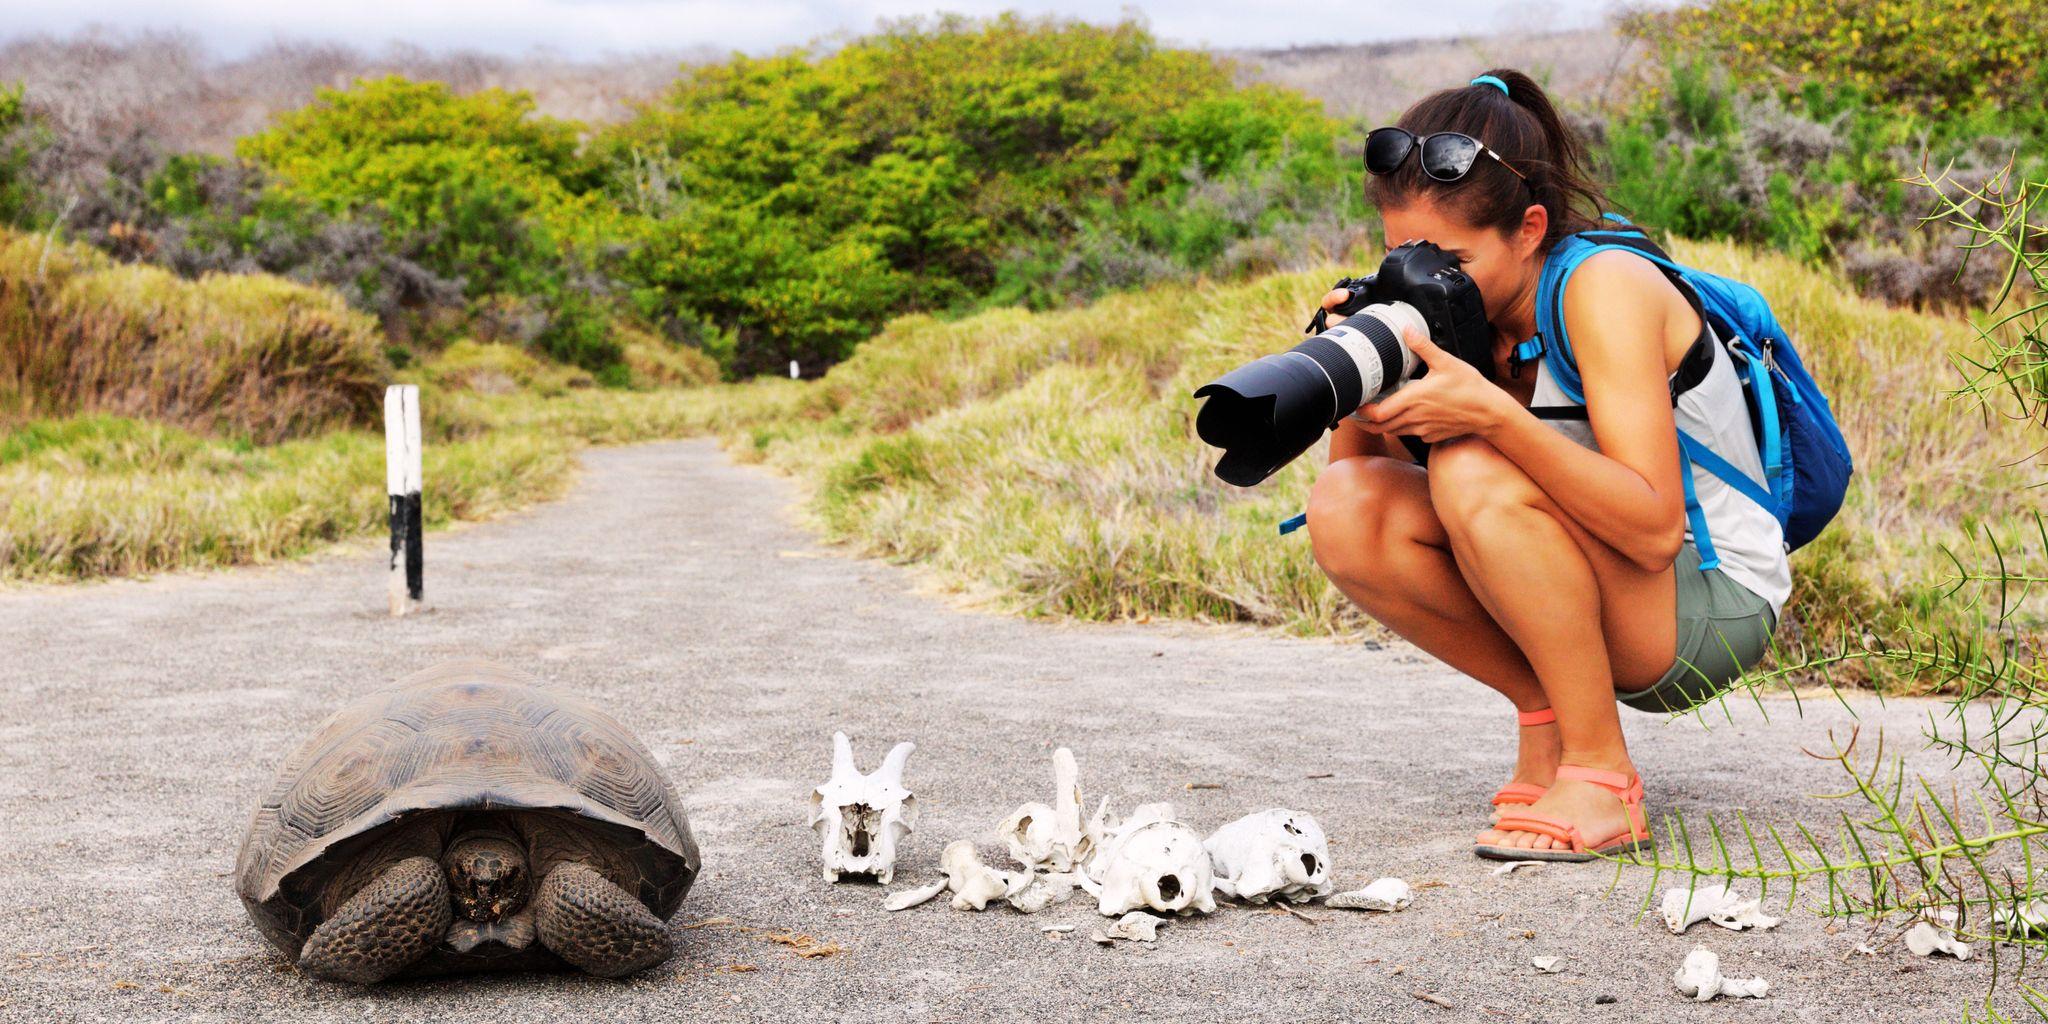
x=1378 y=538
x=1587 y=620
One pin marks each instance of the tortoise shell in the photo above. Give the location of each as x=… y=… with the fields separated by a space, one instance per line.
x=463 y=736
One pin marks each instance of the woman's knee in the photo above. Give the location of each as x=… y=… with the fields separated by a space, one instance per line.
x=1469 y=478
x=1354 y=513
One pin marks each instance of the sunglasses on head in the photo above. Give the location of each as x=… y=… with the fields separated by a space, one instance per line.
x=1446 y=156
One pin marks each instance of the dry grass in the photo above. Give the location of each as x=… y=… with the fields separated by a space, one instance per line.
x=1051 y=458
x=1048 y=459
x=243 y=355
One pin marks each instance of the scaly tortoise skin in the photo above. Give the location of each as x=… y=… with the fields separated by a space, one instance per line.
x=343 y=865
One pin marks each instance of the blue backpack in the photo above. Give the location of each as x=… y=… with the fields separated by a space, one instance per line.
x=1806 y=462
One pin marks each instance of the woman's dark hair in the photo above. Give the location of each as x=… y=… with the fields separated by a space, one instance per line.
x=1524 y=129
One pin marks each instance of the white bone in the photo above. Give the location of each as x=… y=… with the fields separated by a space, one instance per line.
x=1510 y=866
x=1276 y=853
x=2029 y=919
x=973 y=883
x=1137 y=926
x=909 y=898
x=1150 y=861
x=860 y=818
x=1935 y=933
x=1682 y=908
x=1384 y=894
x=1028 y=832
x=1054 y=838
x=1546 y=964
x=1699 y=977
x=1737 y=914
x=1043 y=891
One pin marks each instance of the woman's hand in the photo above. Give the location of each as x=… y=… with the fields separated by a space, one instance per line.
x=1452 y=400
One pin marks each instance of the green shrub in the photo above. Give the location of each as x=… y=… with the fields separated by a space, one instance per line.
x=1932 y=54
x=800 y=201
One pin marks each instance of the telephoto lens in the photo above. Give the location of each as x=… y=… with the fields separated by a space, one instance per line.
x=1265 y=413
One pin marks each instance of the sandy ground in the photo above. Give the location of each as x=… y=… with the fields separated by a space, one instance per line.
x=141 y=721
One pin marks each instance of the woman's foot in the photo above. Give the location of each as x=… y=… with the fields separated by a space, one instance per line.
x=1536 y=755
x=1596 y=811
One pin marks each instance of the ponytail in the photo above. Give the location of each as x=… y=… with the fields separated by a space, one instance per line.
x=1506 y=110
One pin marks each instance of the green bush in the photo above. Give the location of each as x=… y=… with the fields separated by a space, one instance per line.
x=1935 y=55
x=799 y=201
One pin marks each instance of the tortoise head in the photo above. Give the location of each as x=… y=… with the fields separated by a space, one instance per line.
x=487 y=875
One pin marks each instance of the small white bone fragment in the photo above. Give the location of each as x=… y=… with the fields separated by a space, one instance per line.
x=1043 y=891
x=973 y=883
x=1275 y=853
x=1055 y=838
x=860 y=818
x=1546 y=964
x=1384 y=894
x=1137 y=926
x=1935 y=933
x=1699 y=977
x=909 y=898
x=2030 y=919
x=1150 y=861
x=1510 y=866
x=1688 y=906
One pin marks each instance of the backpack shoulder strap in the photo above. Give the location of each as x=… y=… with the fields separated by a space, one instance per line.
x=1552 y=342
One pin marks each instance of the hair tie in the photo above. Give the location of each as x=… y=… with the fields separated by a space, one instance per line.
x=1490 y=80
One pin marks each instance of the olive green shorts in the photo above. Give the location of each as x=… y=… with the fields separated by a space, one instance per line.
x=1723 y=629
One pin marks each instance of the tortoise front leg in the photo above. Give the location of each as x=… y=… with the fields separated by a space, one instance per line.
x=384 y=927
x=596 y=925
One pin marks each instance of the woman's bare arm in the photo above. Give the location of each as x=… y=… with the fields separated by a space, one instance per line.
x=1628 y=493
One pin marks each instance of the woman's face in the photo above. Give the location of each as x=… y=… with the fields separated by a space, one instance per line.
x=1501 y=265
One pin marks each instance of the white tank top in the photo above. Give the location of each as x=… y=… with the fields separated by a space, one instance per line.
x=1745 y=534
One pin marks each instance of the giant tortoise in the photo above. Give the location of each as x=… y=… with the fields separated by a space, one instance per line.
x=463 y=819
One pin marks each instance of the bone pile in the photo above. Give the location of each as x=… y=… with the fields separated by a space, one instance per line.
x=1149 y=863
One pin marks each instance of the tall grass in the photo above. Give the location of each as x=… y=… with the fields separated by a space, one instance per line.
x=247 y=355
x=96 y=496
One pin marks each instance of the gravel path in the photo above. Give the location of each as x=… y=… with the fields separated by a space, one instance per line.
x=141 y=720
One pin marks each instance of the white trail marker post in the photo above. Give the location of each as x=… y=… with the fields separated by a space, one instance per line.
x=402 y=483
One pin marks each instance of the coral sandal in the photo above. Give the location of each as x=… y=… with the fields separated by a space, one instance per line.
x=1633 y=839
x=1522 y=794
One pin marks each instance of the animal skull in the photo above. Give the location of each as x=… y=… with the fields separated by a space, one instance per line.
x=1054 y=838
x=862 y=817
x=1271 y=853
x=1150 y=861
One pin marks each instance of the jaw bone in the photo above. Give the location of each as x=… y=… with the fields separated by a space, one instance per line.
x=1054 y=838
x=1150 y=861
x=1275 y=853
x=859 y=817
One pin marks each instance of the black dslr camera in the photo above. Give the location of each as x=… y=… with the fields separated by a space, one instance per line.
x=1267 y=412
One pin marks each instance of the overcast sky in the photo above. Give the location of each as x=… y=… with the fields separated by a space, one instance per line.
x=592 y=28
